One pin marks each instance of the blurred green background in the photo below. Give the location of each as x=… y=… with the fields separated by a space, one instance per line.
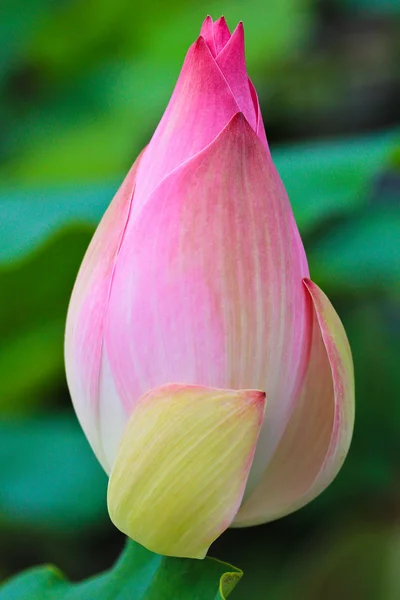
x=83 y=83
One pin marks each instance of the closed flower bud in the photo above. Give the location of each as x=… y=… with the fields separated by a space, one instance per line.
x=212 y=378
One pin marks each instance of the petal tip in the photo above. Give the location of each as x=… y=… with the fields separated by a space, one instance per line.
x=256 y=396
x=206 y=26
x=308 y=283
x=239 y=29
x=221 y=22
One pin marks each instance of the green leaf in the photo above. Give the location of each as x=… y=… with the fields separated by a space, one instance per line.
x=138 y=574
x=19 y=19
x=33 y=305
x=330 y=179
x=50 y=479
x=29 y=217
x=346 y=565
x=359 y=254
x=379 y=7
x=372 y=326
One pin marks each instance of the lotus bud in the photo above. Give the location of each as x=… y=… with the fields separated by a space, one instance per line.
x=211 y=376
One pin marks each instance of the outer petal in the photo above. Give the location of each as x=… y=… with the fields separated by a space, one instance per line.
x=86 y=313
x=182 y=466
x=207 y=289
x=318 y=436
x=200 y=107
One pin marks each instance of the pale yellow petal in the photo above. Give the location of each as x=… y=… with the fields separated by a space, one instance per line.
x=182 y=466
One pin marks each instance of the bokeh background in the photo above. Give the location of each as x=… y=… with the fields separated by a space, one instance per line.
x=83 y=83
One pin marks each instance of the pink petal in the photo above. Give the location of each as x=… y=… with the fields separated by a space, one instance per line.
x=260 y=131
x=221 y=34
x=231 y=60
x=215 y=34
x=200 y=107
x=208 y=287
x=317 y=439
x=207 y=33
x=88 y=304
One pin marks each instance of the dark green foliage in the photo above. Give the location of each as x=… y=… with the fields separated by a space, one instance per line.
x=138 y=574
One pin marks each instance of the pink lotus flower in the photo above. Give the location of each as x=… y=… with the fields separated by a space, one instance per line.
x=212 y=378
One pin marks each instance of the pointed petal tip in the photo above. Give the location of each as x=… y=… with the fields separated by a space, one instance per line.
x=199 y=42
x=201 y=48
x=256 y=396
x=309 y=284
x=239 y=29
x=221 y=34
x=238 y=121
x=239 y=125
x=236 y=42
x=206 y=25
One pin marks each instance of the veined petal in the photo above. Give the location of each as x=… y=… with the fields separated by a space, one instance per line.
x=200 y=107
x=215 y=34
x=231 y=60
x=182 y=466
x=317 y=439
x=208 y=285
x=221 y=34
x=260 y=130
x=207 y=34
x=86 y=313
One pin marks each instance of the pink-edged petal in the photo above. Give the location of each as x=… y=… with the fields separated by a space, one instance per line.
x=86 y=313
x=317 y=439
x=232 y=62
x=200 y=107
x=221 y=34
x=260 y=130
x=207 y=33
x=182 y=465
x=208 y=285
